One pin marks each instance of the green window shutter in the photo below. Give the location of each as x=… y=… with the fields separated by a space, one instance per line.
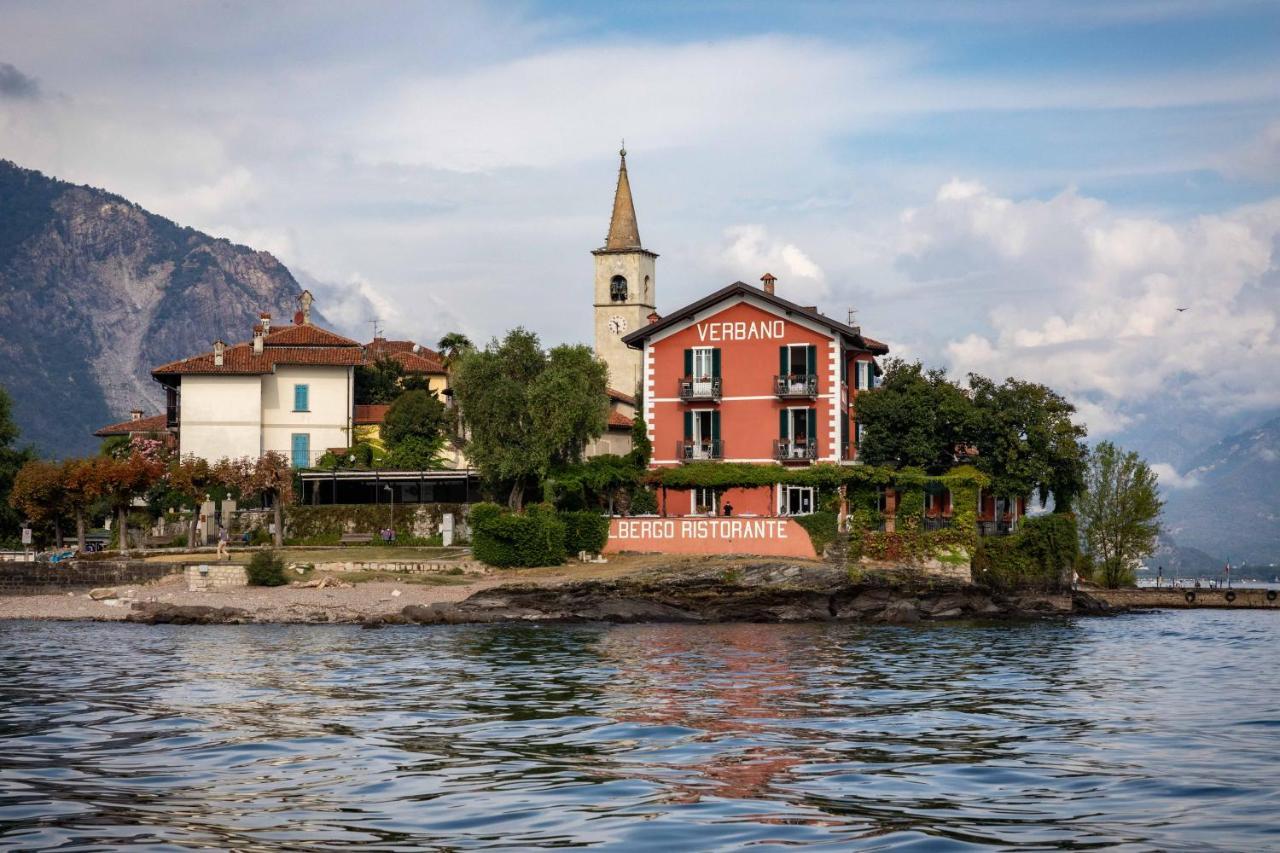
x=784 y=362
x=300 y=396
x=857 y=375
x=812 y=359
x=715 y=363
x=688 y=362
x=813 y=426
x=844 y=427
x=715 y=426
x=688 y=423
x=871 y=374
x=782 y=424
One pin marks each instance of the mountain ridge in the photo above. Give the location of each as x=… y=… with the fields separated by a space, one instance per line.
x=95 y=291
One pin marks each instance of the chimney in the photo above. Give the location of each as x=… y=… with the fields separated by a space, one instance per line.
x=218 y=349
x=257 y=340
x=304 y=303
x=769 y=283
x=654 y=317
x=264 y=320
x=135 y=415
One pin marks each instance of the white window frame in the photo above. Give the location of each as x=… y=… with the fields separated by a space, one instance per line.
x=784 y=495
x=693 y=500
x=706 y=354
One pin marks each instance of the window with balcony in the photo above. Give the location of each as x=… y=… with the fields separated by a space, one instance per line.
x=301 y=450
x=797 y=371
x=701 y=436
x=797 y=435
x=701 y=380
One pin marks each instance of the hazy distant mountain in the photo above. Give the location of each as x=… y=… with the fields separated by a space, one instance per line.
x=1233 y=509
x=1182 y=560
x=95 y=291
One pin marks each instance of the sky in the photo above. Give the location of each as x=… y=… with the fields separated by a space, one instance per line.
x=1029 y=189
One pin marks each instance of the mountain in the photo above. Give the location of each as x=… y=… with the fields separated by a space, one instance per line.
x=1181 y=561
x=1232 y=507
x=95 y=291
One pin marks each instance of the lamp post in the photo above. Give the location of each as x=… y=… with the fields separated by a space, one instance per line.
x=387 y=488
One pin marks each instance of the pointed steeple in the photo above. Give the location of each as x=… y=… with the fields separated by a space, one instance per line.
x=624 y=233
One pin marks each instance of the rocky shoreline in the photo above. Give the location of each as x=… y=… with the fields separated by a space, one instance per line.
x=752 y=592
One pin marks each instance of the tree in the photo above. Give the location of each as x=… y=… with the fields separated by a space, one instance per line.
x=915 y=418
x=414 y=431
x=121 y=482
x=1026 y=440
x=453 y=345
x=12 y=458
x=189 y=480
x=378 y=382
x=38 y=493
x=79 y=492
x=527 y=409
x=1118 y=511
x=269 y=477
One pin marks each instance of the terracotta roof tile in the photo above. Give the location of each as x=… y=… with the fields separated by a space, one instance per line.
x=154 y=423
x=242 y=360
x=617 y=420
x=621 y=397
x=409 y=355
x=306 y=335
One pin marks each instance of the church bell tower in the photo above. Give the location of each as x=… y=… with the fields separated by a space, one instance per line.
x=625 y=284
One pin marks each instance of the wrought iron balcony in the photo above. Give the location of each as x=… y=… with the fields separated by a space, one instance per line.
x=692 y=450
x=787 y=450
x=936 y=522
x=996 y=528
x=700 y=388
x=794 y=385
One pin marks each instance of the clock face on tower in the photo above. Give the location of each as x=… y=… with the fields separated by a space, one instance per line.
x=617 y=324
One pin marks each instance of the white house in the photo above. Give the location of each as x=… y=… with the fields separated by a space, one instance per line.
x=289 y=390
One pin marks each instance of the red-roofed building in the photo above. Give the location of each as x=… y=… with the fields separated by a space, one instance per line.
x=744 y=375
x=289 y=390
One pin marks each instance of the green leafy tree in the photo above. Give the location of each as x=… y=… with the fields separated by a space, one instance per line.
x=1118 y=513
x=1026 y=440
x=453 y=346
x=379 y=382
x=12 y=458
x=414 y=414
x=915 y=418
x=527 y=409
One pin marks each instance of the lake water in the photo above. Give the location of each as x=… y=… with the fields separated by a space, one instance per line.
x=1148 y=731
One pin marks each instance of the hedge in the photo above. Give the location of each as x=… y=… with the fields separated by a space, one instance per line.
x=585 y=531
x=1039 y=555
x=503 y=539
x=823 y=527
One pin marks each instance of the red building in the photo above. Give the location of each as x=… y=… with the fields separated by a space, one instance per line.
x=744 y=375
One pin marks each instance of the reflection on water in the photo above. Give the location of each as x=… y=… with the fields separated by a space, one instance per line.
x=1154 y=731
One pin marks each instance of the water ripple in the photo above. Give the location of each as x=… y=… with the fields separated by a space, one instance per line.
x=1153 y=731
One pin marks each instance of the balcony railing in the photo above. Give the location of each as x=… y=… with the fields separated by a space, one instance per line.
x=996 y=528
x=786 y=450
x=691 y=450
x=700 y=388
x=937 y=522
x=796 y=385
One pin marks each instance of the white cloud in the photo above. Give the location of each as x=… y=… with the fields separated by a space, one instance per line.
x=1170 y=478
x=749 y=252
x=1088 y=299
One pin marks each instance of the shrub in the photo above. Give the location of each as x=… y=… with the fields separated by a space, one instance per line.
x=585 y=531
x=265 y=569
x=644 y=502
x=1039 y=556
x=822 y=527
x=503 y=539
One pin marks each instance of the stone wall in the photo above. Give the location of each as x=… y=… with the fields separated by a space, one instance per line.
x=411 y=520
x=43 y=578
x=1246 y=598
x=426 y=567
x=215 y=576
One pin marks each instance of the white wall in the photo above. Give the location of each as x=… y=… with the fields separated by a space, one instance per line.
x=328 y=422
x=221 y=416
